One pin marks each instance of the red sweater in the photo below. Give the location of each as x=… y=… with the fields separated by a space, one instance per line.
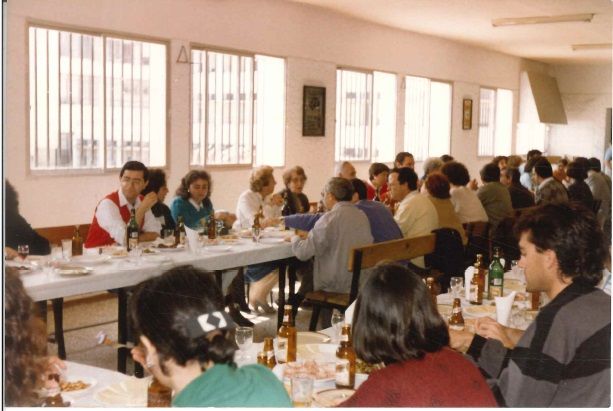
x=441 y=379
x=98 y=236
x=371 y=191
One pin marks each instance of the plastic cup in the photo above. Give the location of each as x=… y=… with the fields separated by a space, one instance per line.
x=67 y=248
x=302 y=390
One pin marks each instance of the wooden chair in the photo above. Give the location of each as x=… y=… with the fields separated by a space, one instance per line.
x=478 y=234
x=55 y=236
x=363 y=258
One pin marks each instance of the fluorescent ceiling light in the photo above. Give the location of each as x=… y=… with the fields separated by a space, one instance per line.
x=595 y=46
x=517 y=21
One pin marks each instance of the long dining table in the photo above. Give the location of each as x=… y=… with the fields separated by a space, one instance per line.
x=122 y=272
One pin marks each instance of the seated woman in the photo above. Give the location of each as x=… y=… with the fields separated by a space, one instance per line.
x=578 y=190
x=437 y=186
x=263 y=277
x=193 y=201
x=17 y=230
x=465 y=201
x=376 y=188
x=157 y=185
x=296 y=201
x=25 y=363
x=396 y=323
x=188 y=344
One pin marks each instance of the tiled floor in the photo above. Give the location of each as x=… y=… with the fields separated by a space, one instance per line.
x=85 y=317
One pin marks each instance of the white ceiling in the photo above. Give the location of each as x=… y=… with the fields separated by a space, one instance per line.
x=469 y=21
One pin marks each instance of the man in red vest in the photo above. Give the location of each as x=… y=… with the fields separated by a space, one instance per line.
x=113 y=211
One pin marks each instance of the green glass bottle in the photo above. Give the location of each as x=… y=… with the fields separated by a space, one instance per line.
x=496 y=274
x=180 y=232
x=132 y=232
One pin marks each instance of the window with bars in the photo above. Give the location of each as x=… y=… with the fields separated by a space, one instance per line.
x=365 y=116
x=96 y=101
x=495 y=122
x=427 y=118
x=238 y=109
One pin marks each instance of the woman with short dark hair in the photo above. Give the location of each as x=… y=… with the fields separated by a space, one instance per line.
x=297 y=202
x=187 y=339
x=578 y=190
x=157 y=185
x=396 y=323
x=437 y=186
x=465 y=201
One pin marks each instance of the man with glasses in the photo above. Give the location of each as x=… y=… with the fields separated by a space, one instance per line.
x=113 y=211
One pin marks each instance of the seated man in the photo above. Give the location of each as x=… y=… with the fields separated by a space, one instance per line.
x=494 y=196
x=330 y=241
x=345 y=170
x=564 y=357
x=113 y=211
x=549 y=190
x=521 y=197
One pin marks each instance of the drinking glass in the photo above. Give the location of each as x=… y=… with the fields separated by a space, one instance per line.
x=168 y=236
x=257 y=233
x=23 y=250
x=67 y=248
x=456 y=284
x=136 y=254
x=219 y=226
x=244 y=339
x=337 y=321
x=302 y=390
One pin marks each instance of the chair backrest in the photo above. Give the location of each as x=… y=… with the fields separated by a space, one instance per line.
x=448 y=256
x=521 y=211
x=596 y=206
x=478 y=234
x=395 y=250
x=55 y=235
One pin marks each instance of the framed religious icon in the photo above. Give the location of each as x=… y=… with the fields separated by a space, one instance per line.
x=314 y=111
x=467 y=114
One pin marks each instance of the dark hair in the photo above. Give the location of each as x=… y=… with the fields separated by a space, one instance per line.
x=498 y=159
x=445 y=158
x=377 y=168
x=594 y=164
x=530 y=164
x=135 y=166
x=533 y=153
x=24 y=344
x=512 y=174
x=406 y=176
x=340 y=188
x=576 y=170
x=490 y=173
x=11 y=200
x=287 y=175
x=542 y=168
x=161 y=308
x=190 y=177
x=395 y=319
x=157 y=180
x=401 y=156
x=575 y=236
x=456 y=173
x=563 y=162
x=359 y=187
x=438 y=185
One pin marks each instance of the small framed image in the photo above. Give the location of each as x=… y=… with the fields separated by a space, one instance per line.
x=467 y=114
x=314 y=111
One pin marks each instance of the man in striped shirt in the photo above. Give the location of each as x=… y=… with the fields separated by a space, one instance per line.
x=564 y=357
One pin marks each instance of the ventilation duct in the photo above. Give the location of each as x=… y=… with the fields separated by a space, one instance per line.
x=547 y=98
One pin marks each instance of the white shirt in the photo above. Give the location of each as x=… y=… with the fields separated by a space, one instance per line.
x=467 y=205
x=249 y=203
x=195 y=204
x=109 y=218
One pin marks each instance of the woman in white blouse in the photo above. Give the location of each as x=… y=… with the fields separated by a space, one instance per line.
x=262 y=277
x=465 y=202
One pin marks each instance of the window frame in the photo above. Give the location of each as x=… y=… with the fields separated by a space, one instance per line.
x=513 y=125
x=103 y=169
x=241 y=53
x=372 y=73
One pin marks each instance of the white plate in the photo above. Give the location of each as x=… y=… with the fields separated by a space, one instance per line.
x=132 y=392
x=22 y=267
x=89 y=259
x=330 y=366
x=320 y=352
x=332 y=397
x=311 y=337
x=271 y=240
x=477 y=311
x=71 y=271
x=221 y=248
x=74 y=378
x=172 y=249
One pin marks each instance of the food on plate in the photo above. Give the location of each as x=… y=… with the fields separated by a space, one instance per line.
x=119 y=253
x=229 y=237
x=210 y=241
x=73 y=385
x=148 y=251
x=166 y=246
x=362 y=367
x=316 y=370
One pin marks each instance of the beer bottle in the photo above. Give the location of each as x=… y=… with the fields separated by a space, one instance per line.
x=496 y=274
x=212 y=227
x=262 y=358
x=456 y=321
x=345 y=360
x=132 y=231
x=286 y=210
x=431 y=289
x=483 y=271
x=77 y=242
x=476 y=287
x=256 y=228
x=270 y=353
x=180 y=232
x=286 y=338
x=535 y=300
x=158 y=395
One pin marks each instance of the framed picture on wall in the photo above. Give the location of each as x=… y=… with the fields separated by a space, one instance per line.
x=467 y=114
x=314 y=111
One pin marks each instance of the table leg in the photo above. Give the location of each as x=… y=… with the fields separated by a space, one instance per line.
x=58 y=320
x=122 y=328
x=282 y=267
x=219 y=278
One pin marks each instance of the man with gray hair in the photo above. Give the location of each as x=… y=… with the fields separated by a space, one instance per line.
x=333 y=237
x=345 y=170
